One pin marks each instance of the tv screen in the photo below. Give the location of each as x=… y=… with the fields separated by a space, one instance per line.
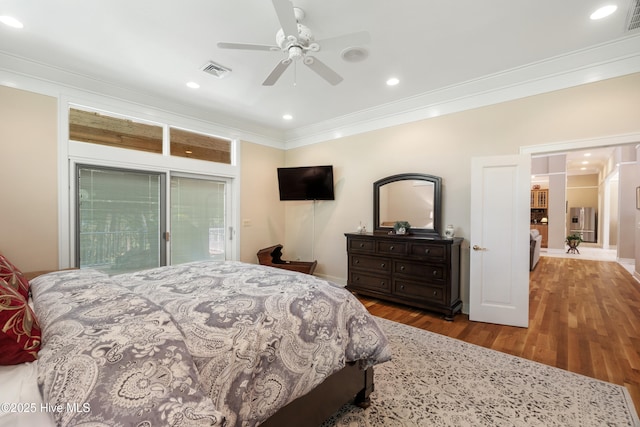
x=306 y=183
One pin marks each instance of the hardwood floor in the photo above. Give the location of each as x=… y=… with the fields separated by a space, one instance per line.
x=584 y=318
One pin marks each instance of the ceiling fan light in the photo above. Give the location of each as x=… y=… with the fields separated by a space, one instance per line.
x=295 y=52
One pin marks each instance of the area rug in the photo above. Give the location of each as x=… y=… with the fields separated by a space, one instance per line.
x=435 y=380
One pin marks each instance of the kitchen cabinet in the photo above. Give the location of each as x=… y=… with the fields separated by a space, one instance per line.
x=539 y=199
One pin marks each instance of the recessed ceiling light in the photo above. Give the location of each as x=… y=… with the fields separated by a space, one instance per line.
x=587 y=154
x=193 y=85
x=11 y=21
x=287 y=117
x=392 y=81
x=585 y=162
x=603 y=12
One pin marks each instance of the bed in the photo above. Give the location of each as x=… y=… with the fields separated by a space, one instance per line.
x=206 y=343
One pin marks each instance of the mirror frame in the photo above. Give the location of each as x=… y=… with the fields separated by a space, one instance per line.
x=437 y=199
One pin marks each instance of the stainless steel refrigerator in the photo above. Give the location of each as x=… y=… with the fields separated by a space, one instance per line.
x=583 y=222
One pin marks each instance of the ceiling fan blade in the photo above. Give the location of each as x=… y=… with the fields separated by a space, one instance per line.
x=247 y=46
x=277 y=72
x=322 y=70
x=346 y=40
x=287 y=17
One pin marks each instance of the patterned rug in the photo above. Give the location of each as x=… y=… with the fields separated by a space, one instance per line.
x=434 y=380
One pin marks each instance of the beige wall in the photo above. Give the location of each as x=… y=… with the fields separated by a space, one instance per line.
x=262 y=213
x=629 y=178
x=444 y=146
x=28 y=153
x=582 y=191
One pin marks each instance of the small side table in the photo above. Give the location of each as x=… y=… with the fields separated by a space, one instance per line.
x=573 y=246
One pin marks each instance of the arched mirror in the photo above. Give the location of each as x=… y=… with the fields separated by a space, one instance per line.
x=411 y=197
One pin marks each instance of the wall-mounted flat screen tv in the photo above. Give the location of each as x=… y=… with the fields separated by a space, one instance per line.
x=306 y=183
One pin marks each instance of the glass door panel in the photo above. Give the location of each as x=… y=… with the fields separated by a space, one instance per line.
x=198 y=220
x=119 y=219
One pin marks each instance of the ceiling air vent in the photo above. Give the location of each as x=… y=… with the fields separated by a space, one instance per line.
x=633 y=23
x=215 y=69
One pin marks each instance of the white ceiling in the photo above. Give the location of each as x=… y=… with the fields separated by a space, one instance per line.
x=438 y=50
x=590 y=161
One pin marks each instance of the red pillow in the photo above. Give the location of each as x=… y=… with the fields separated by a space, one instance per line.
x=19 y=329
x=13 y=276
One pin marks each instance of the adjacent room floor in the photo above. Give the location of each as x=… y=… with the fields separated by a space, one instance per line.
x=592 y=252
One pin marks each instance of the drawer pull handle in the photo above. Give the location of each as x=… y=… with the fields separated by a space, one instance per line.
x=402 y=268
x=391 y=248
x=435 y=272
x=382 y=285
x=358 y=279
x=383 y=265
x=402 y=287
x=426 y=251
x=362 y=245
x=435 y=293
x=356 y=261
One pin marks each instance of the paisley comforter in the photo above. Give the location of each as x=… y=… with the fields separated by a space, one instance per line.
x=207 y=343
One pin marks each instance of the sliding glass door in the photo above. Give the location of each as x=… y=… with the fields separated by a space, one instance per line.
x=121 y=221
x=198 y=218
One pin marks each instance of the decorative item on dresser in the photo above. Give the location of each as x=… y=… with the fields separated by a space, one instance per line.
x=414 y=270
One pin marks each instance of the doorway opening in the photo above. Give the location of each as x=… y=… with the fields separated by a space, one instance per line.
x=606 y=170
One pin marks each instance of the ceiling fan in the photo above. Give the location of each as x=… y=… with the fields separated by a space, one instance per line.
x=295 y=40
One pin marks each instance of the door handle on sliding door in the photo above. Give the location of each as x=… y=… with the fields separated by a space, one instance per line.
x=478 y=248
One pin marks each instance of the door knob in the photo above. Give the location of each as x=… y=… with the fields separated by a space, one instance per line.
x=478 y=248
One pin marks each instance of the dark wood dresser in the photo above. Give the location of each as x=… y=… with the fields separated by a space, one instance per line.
x=413 y=270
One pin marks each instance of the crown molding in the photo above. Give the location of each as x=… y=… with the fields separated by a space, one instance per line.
x=614 y=59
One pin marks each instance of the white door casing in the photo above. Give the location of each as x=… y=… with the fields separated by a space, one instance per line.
x=500 y=216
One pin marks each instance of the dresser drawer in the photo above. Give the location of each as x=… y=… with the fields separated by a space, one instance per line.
x=372 y=264
x=391 y=248
x=359 y=280
x=409 y=289
x=428 y=251
x=420 y=271
x=361 y=245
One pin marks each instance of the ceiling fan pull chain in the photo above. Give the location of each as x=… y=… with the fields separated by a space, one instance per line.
x=295 y=73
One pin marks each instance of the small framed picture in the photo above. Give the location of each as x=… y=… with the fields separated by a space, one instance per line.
x=637 y=197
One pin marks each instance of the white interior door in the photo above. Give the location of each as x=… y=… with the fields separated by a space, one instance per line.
x=500 y=216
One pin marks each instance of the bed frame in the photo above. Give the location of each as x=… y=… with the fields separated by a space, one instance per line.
x=351 y=384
